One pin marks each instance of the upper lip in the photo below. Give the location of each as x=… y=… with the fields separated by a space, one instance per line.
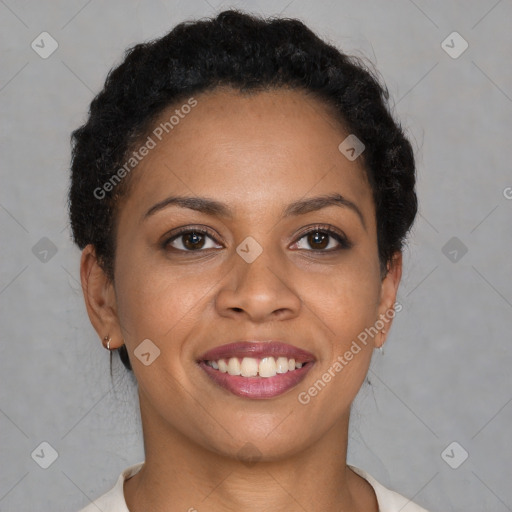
x=257 y=349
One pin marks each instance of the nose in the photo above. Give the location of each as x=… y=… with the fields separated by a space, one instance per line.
x=261 y=290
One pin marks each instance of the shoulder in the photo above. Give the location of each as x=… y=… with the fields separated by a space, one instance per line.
x=389 y=501
x=113 y=500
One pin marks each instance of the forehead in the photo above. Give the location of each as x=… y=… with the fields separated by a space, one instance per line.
x=250 y=150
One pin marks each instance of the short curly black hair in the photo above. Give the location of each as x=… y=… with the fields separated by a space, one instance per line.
x=247 y=53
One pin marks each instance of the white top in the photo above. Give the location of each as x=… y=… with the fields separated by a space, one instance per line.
x=113 y=500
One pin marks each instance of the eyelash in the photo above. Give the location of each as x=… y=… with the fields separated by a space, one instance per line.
x=342 y=240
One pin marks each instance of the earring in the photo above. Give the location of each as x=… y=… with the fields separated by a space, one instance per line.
x=381 y=348
x=108 y=339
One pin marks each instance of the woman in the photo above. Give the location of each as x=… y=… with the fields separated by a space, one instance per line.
x=242 y=195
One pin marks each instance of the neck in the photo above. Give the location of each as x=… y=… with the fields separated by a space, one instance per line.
x=192 y=478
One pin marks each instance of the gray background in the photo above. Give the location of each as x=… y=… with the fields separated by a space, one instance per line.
x=445 y=375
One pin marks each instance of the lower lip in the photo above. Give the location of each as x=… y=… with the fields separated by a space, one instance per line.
x=257 y=387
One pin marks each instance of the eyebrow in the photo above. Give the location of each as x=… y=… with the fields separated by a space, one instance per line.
x=216 y=208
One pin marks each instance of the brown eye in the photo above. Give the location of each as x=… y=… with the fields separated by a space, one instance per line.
x=318 y=240
x=193 y=240
x=190 y=240
x=323 y=240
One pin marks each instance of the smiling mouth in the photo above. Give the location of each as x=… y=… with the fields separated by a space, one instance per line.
x=256 y=369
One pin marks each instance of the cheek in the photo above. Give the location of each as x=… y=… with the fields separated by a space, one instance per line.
x=154 y=300
x=157 y=304
x=344 y=305
x=345 y=300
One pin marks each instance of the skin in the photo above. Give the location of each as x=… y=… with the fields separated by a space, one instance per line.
x=256 y=154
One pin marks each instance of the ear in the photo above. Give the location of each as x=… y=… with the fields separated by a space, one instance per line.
x=389 y=289
x=100 y=298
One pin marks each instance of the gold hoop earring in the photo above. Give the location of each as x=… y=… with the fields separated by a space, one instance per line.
x=108 y=339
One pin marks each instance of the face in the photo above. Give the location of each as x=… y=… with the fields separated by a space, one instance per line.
x=268 y=260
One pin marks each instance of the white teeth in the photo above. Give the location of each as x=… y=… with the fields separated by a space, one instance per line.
x=250 y=367
x=234 y=366
x=268 y=367
x=223 y=366
x=283 y=365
